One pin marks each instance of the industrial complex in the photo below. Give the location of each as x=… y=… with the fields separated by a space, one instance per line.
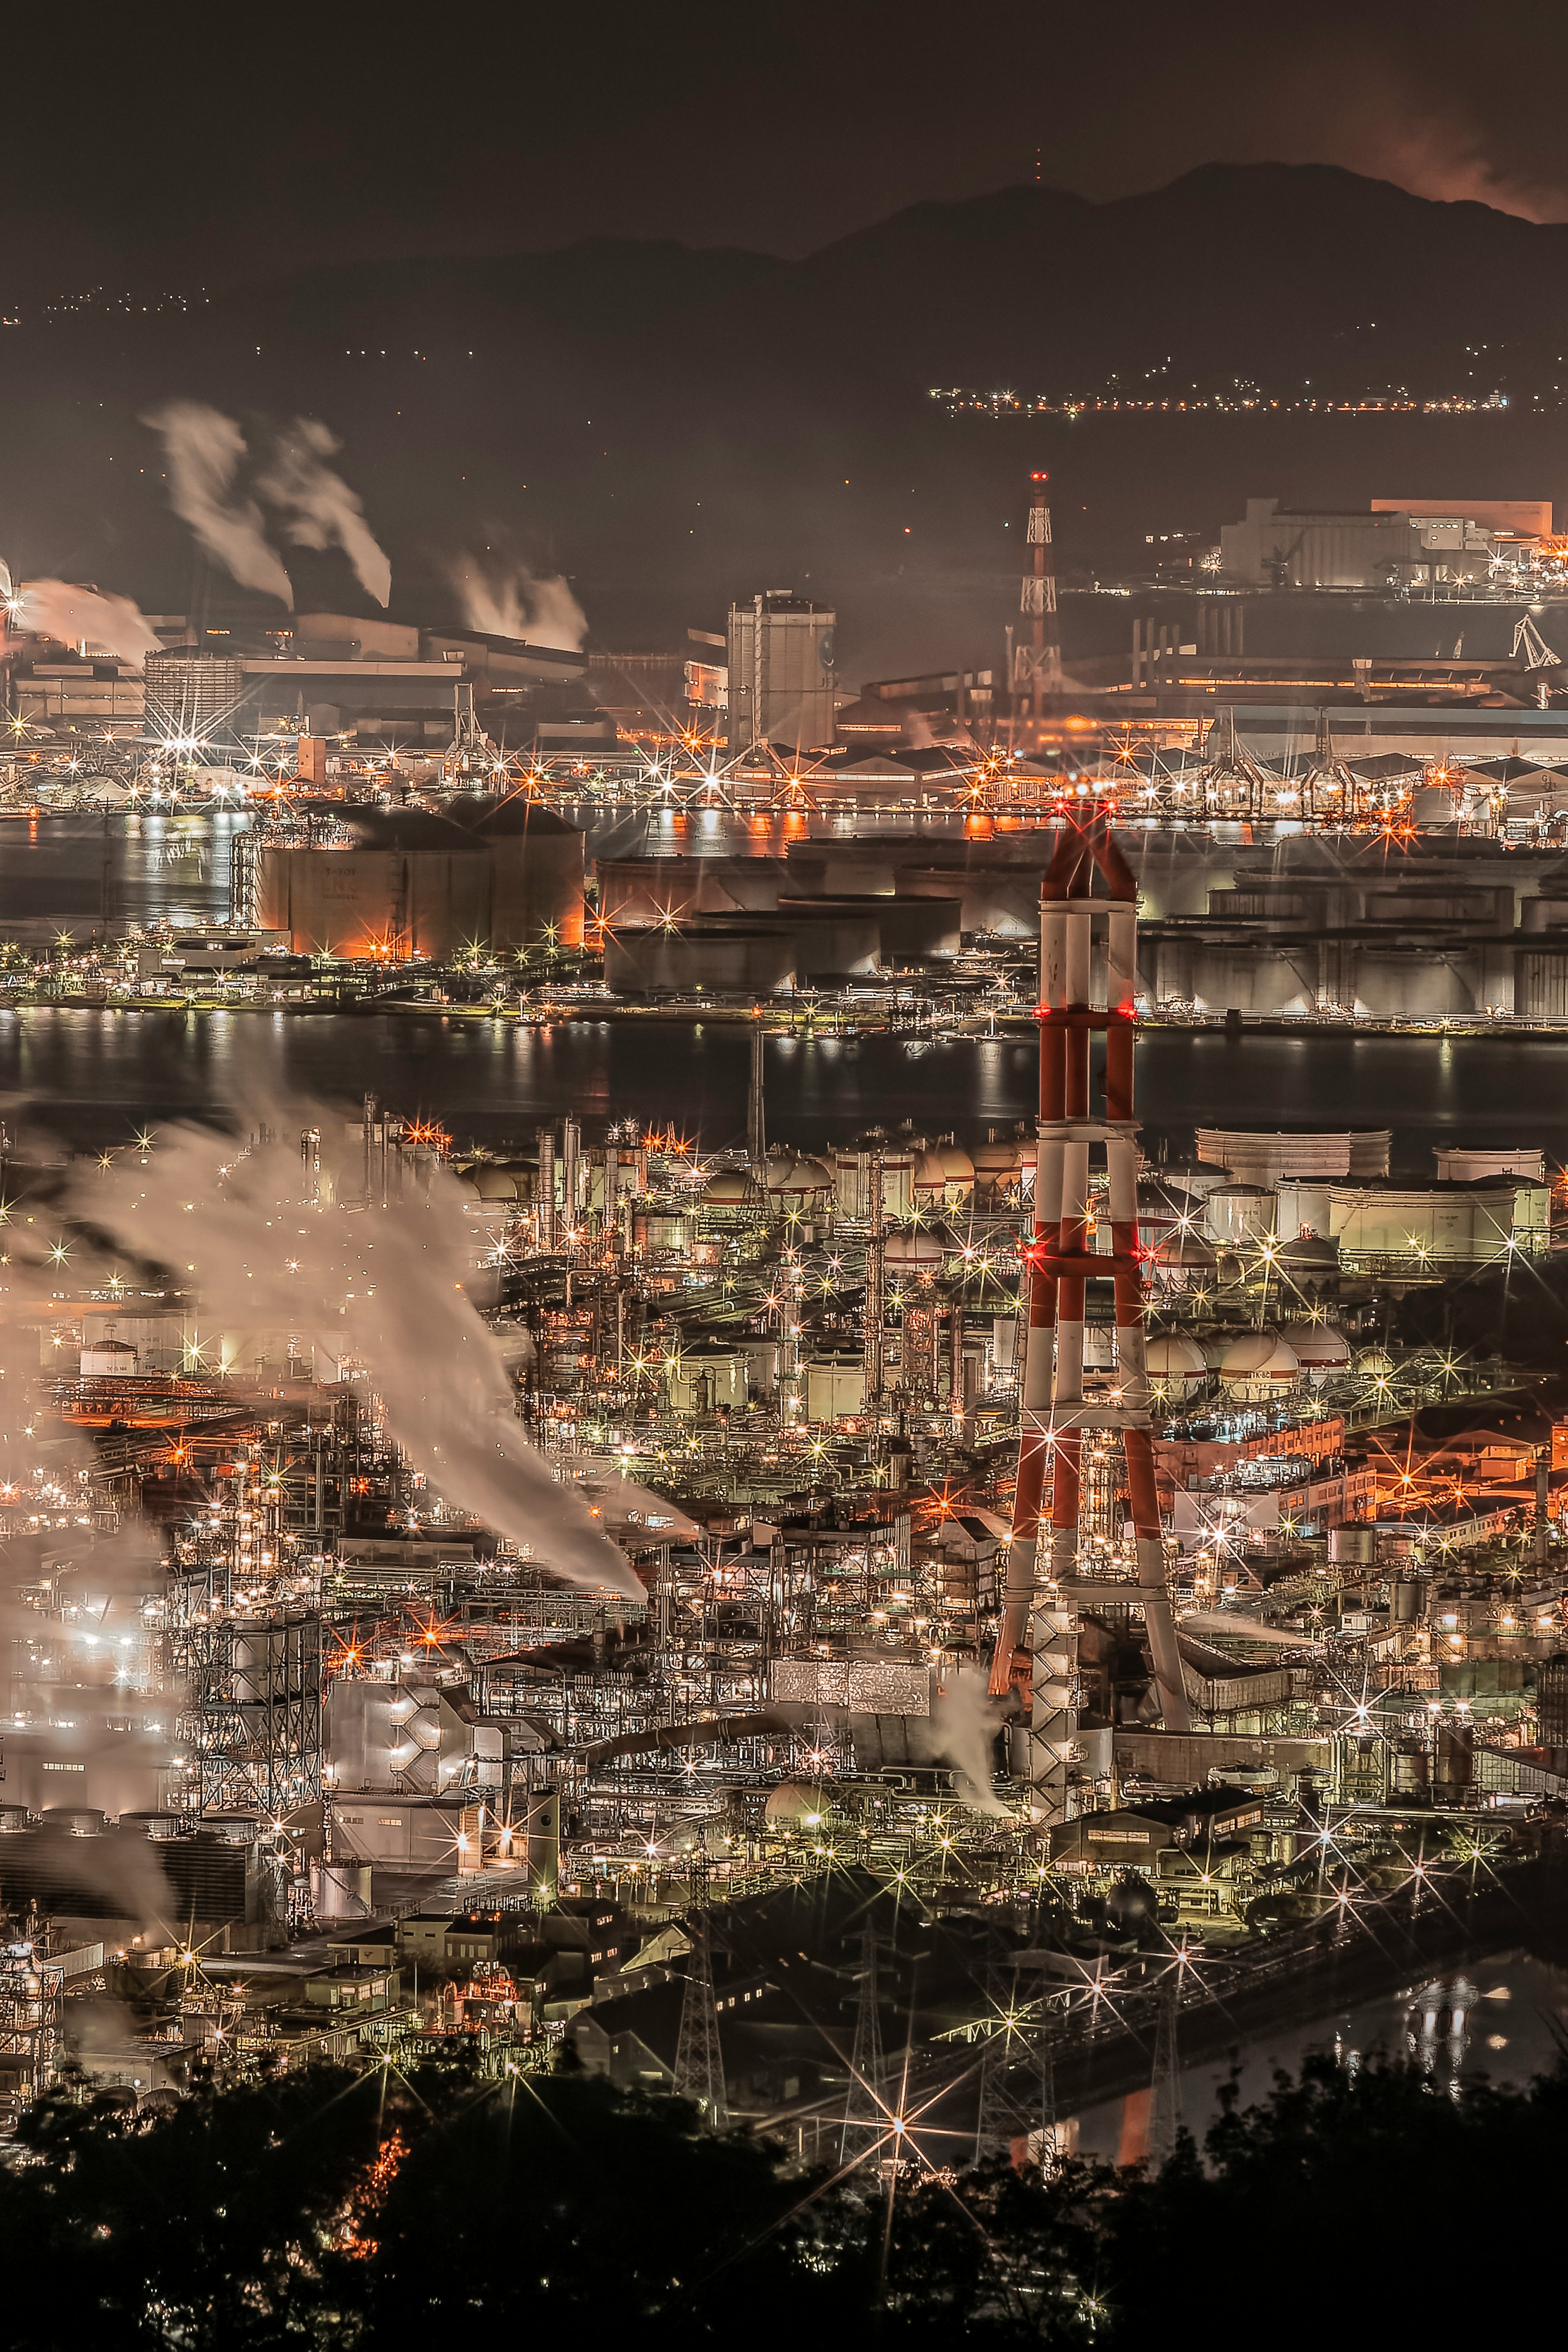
x=705 y=1604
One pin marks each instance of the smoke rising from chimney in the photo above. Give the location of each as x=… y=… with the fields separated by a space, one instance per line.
x=383 y=1291
x=82 y=616
x=542 y=612
x=204 y=450
x=962 y=1729
x=320 y=510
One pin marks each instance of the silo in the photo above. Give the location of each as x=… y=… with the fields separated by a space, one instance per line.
x=782 y=677
x=194 y=698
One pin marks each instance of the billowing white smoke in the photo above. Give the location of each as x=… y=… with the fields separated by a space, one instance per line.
x=383 y=1289
x=204 y=450
x=542 y=612
x=82 y=616
x=99 y=1585
x=962 y=1729
x=320 y=510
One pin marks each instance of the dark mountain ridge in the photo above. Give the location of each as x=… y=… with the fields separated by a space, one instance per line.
x=672 y=426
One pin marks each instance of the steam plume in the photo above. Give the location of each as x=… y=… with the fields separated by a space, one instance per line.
x=203 y=451
x=321 y=510
x=962 y=1729
x=385 y=1290
x=82 y=616
x=544 y=611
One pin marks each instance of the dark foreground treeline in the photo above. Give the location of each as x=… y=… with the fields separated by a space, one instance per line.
x=338 y=2209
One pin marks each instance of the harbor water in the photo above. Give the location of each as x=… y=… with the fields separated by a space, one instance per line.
x=1502 y=2018
x=93 y=1076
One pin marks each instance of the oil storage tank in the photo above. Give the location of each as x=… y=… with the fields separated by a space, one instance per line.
x=536 y=885
x=395 y=884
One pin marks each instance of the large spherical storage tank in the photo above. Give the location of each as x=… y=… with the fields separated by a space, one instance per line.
x=793 y=1183
x=995 y=1166
x=958 y=1168
x=1257 y=1366
x=918 y=1251
x=1321 y=1348
x=1183 y=1261
x=1176 y=1366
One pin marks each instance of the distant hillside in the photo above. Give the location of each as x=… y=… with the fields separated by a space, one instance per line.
x=671 y=427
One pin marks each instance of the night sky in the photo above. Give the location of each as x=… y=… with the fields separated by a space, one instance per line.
x=179 y=146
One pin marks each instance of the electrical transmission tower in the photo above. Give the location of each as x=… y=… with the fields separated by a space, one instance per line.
x=699 y=2060
x=1018 y=2073
x=1165 y=2090
x=865 y=2109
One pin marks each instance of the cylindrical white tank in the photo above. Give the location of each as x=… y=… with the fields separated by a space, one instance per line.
x=339 y=1890
x=107 y=1360
x=1301 y=1205
x=1238 y=1216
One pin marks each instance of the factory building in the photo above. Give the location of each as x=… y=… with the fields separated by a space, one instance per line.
x=405 y=883
x=1382 y=548
x=780 y=680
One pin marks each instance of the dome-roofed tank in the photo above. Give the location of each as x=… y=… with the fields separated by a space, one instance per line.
x=1322 y=1349
x=796 y=1804
x=490 y=1182
x=1257 y=1366
x=1183 y=1261
x=916 y=1249
x=1175 y=1365
x=727 y=1189
x=1238 y=1215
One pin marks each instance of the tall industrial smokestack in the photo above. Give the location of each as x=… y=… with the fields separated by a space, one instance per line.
x=1089 y=949
x=1039 y=664
x=756 y=1122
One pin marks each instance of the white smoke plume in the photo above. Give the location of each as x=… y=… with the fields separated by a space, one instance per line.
x=542 y=612
x=961 y=1730
x=320 y=508
x=204 y=450
x=82 y=616
x=383 y=1289
x=78 y=1654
